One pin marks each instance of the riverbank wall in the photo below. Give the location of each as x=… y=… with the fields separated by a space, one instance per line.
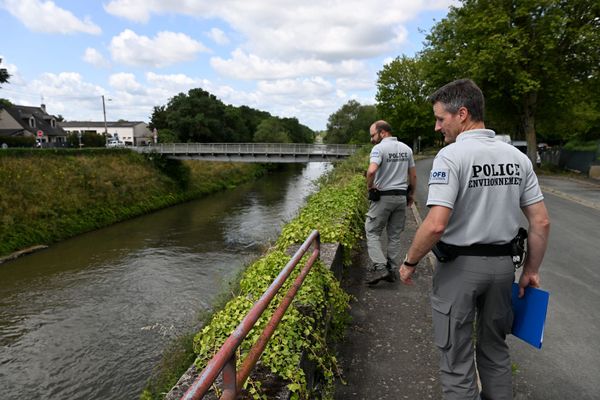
x=48 y=195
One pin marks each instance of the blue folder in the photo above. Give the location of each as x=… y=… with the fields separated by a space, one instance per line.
x=529 y=314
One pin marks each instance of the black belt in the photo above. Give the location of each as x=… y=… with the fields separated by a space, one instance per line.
x=397 y=192
x=491 y=250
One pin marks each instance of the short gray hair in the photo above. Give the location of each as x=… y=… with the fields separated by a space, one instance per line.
x=461 y=93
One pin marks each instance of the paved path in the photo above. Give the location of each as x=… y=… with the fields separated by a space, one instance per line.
x=388 y=352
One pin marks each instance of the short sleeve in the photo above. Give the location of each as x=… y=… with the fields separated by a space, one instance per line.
x=443 y=182
x=531 y=193
x=376 y=155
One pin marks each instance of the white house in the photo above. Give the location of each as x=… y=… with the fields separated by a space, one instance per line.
x=131 y=133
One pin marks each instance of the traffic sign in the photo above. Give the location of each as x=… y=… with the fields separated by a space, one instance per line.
x=40 y=133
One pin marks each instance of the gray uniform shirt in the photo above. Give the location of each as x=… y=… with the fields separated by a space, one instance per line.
x=393 y=158
x=485 y=182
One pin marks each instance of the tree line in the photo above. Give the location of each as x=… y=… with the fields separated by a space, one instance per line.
x=199 y=116
x=537 y=62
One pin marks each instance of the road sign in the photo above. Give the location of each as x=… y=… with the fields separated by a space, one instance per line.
x=40 y=133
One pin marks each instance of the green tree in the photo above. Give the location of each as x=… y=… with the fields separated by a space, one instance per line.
x=350 y=124
x=402 y=100
x=526 y=55
x=166 y=135
x=158 y=119
x=271 y=130
x=196 y=117
x=4 y=75
x=298 y=133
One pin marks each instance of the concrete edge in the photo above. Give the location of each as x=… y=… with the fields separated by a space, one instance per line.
x=565 y=196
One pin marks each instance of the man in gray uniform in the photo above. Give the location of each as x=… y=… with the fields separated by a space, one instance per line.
x=391 y=180
x=478 y=189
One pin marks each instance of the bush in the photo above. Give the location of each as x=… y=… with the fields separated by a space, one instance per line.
x=578 y=145
x=18 y=141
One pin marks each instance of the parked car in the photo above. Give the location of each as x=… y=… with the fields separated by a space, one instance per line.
x=115 y=143
x=522 y=145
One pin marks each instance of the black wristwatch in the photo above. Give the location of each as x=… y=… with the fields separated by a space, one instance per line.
x=409 y=263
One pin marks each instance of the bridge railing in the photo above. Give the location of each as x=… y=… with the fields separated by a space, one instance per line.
x=225 y=360
x=252 y=148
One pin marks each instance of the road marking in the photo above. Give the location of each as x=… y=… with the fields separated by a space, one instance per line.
x=563 y=195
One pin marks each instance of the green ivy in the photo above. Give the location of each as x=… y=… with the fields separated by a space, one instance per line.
x=300 y=331
x=337 y=212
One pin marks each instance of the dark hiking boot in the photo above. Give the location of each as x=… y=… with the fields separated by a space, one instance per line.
x=392 y=275
x=378 y=273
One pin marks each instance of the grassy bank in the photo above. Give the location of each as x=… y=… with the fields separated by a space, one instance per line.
x=50 y=195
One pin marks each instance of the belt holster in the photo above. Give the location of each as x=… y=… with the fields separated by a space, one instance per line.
x=374 y=194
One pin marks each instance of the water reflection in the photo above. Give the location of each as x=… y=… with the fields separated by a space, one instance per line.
x=89 y=317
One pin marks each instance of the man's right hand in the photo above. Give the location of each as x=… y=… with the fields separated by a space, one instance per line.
x=406 y=274
x=528 y=279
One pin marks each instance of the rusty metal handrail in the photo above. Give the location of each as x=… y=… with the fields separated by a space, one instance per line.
x=224 y=360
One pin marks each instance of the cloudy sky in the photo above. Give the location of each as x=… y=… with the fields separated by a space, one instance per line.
x=302 y=59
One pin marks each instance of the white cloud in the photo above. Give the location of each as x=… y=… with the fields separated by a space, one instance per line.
x=47 y=17
x=306 y=58
x=93 y=56
x=328 y=29
x=218 y=36
x=296 y=87
x=126 y=82
x=164 y=49
x=356 y=83
x=171 y=81
x=64 y=84
x=251 y=66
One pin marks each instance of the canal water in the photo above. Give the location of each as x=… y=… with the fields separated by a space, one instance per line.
x=88 y=318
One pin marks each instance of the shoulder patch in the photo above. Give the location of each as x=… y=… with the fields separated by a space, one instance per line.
x=439 y=176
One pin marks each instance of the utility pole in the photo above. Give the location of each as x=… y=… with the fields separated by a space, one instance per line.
x=104 y=111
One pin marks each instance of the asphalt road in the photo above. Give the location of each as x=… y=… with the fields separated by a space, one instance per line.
x=568 y=365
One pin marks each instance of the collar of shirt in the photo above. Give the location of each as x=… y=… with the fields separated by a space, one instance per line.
x=390 y=139
x=476 y=133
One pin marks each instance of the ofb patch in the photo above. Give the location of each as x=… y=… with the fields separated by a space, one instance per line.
x=439 y=176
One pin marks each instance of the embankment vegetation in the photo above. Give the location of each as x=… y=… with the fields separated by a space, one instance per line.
x=49 y=195
x=337 y=211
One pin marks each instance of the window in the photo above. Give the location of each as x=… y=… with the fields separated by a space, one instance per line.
x=31 y=122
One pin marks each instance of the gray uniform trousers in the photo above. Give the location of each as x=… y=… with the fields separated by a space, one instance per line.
x=388 y=213
x=466 y=288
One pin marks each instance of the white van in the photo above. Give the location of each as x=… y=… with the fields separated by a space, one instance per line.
x=522 y=145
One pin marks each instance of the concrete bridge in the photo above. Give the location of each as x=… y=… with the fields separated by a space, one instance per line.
x=252 y=152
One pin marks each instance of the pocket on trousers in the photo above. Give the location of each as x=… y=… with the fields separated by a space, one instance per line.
x=441 y=321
